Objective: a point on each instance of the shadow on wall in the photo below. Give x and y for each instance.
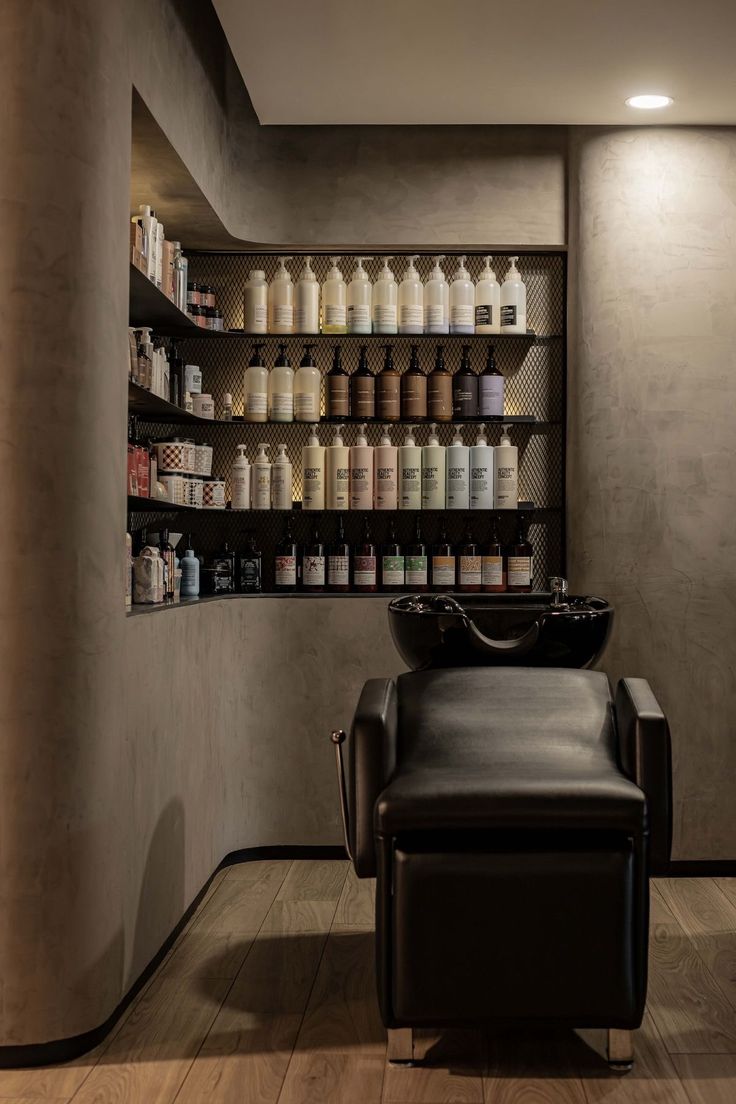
(162, 892)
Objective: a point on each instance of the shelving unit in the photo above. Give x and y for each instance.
(533, 364)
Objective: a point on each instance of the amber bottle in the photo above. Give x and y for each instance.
(468, 564)
(415, 562)
(443, 564)
(439, 389)
(388, 387)
(364, 562)
(520, 562)
(493, 563)
(392, 562)
(414, 390)
(363, 390)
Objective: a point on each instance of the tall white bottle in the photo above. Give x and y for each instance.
(261, 479)
(281, 389)
(513, 301)
(386, 464)
(385, 301)
(255, 303)
(411, 300)
(505, 473)
(487, 302)
(410, 474)
(433, 472)
(481, 472)
(437, 300)
(255, 388)
(281, 300)
(360, 292)
(313, 473)
(281, 480)
(306, 301)
(307, 382)
(338, 474)
(462, 301)
(240, 480)
(361, 473)
(334, 301)
(159, 254)
(150, 222)
(457, 488)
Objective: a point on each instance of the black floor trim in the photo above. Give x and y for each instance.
(65, 1050)
(701, 868)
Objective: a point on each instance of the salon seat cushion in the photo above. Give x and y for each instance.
(508, 748)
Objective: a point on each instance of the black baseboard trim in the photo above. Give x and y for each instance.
(65, 1050)
(700, 868)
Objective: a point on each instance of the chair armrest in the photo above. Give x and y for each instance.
(371, 762)
(646, 757)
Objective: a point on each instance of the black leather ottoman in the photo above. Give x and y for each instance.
(512, 817)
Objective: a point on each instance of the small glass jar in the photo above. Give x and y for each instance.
(218, 322)
(206, 295)
(209, 317)
(194, 298)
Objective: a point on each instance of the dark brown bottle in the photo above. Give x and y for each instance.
(363, 390)
(338, 561)
(392, 562)
(169, 557)
(465, 389)
(287, 561)
(414, 390)
(443, 564)
(520, 562)
(338, 389)
(249, 567)
(493, 563)
(388, 389)
(439, 389)
(415, 564)
(313, 564)
(469, 573)
(364, 562)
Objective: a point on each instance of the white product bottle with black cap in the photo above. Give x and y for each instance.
(338, 474)
(481, 472)
(411, 300)
(281, 480)
(386, 460)
(410, 474)
(281, 300)
(361, 472)
(360, 291)
(457, 490)
(313, 473)
(240, 480)
(255, 387)
(261, 479)
(255, 303)
(462, 301)
(433, 472)
(506, 473)
(487, 302)
(513, 301)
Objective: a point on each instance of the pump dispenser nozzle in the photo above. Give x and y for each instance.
(513, 270)
(505, 438)
(481, 439)
(256, 359)
(307, 360)
(362, 438)
(433, 439)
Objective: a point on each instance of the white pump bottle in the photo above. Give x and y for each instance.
(506, 473)
(462, 301)
(313, 473)
(437, 300)
(513, 302)
(261, 479)
(306, 301)
(458, 474)
(361, 473)
(338, 474)
(255, 303)
(240, 480)
(281, 480)
(386, 487)
(281, 300)
(481, 472)
(385, 301)
(410, 474)
(359, 300)
(487, 302)
(334, 301)
(411, 300)
(433, 472)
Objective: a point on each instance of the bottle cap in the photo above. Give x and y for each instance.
(465, 358)
(437, 273)
(439, 357)
(334, 273)
(488, 273)
(337, 440)
(409, 441)
(505, 439)
(462, 272)
(337, 357)
(363, 358)
(360, 273)
(388, 359)
(414, 358)
(281, 453)
(458, 438)
(256, 274)
(282, 361)
(386, 273)
(307, 272)
(410, 272)
(227, 399)
(313, 438)
(241, 450)
(262, 446)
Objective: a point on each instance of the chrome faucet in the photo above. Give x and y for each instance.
(558, 587)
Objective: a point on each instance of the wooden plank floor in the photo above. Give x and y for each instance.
(268, 997)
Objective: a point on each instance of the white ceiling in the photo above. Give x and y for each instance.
(483, 61)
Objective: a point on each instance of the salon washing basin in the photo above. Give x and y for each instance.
(547, 629)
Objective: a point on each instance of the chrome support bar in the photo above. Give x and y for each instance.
(338, 737)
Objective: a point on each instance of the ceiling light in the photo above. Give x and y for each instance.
(648, 102)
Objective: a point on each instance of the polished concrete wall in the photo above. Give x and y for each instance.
(652, 394)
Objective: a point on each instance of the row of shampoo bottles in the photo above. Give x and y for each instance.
(281, 395)
(262, 485)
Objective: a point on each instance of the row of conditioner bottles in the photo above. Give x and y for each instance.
(387, 477)
(285, 395)
(386, 306)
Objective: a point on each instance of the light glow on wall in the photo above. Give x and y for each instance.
(649, 101)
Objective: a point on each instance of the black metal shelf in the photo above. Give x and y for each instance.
(149, 407)
(530, 337)
(150, 307)
(136, 504)
(140, 505)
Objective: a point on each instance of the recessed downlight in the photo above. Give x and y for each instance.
(649, 101)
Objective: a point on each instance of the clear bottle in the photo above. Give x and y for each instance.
(169, 557)
(227, 407)
(359, 300)
(491, 389)
(386, 479)
(411, 300)
(281, 300)
(439, 389)
(337, 386)
(462, 301)
(255, 303)
(433, 472)
(388, 389)
(281, 480)
(261, 479)
(487, 302)
(513, 301)
(437, 300)
(385, 301)
(363, 389)
(240, 480)
(255, 387)
(334, 301)
(281, 389)
(306, 301)
(307, 382)
(313, 473)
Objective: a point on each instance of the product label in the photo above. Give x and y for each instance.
(508, 315)
(261, 487)
(283, 316)
(250, 574)
(506, 493)
(457, 489)
(484, 314)
(313, 571)
(359, 318)
(470, 571)
(335, 314)
(193, 379)
(434, 315)
(461, 315)
(443, 571)
(416, 570)
(492, 571)
(386, 488)
(312, 497)
(490, 396)
(338, 570)
(305, 405)
(286, 571)
(392, 570)
(520, 570)
(411, 316)
(240, 491)
(282, 403)
(305, 320)
(364, 571)
(360, 479)
(259, 315)
(480, 488)
(280, 490)
(384, 316)
(256, 402)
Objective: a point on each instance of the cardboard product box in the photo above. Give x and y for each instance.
(143, 470)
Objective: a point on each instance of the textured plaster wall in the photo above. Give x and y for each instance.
(652, 393)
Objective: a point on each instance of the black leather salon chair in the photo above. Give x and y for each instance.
(512, 817)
